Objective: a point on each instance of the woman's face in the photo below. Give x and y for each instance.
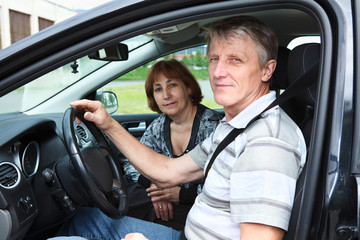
(171, 95)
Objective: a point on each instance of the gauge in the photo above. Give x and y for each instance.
(30, 158)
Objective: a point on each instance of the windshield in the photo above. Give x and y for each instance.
(43, 88)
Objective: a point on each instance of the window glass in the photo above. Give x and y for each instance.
(43, 88)
(130, 88)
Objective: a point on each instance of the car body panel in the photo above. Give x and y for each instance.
(330, 201)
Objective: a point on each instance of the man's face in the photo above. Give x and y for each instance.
(236, 77)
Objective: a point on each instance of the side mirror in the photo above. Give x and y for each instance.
(109, 100)
(117, 52)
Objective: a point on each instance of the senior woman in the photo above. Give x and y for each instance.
(173, 91)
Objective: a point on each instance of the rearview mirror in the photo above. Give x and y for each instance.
(117, 52)
(109, 100)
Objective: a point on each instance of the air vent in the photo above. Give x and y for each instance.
(9, 175)
(81, 132)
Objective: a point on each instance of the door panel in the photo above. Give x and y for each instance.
(136, 124)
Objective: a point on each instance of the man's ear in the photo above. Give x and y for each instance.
(268, 70)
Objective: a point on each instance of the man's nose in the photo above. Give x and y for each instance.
(220, 69)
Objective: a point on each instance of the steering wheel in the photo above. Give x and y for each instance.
(96, 167)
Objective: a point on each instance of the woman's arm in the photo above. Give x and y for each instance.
(175, 194)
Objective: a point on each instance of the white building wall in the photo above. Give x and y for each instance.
(34, 8)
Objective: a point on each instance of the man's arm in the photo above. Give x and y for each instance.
(162, 170)
(255, 231)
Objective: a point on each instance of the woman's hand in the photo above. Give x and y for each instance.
(164, 194)
(163, 210)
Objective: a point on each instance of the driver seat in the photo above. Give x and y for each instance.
(301, 60)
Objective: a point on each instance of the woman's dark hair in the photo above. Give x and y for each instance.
(171, 69)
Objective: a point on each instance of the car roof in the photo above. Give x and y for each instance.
(96, 28)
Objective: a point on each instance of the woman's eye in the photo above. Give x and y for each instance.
(157, 89)
(173, 85)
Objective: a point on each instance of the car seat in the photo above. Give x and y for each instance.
(280, 81)
(301, 60)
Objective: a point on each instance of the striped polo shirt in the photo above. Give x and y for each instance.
(253, 179)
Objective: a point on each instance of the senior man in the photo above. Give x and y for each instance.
(249, 190)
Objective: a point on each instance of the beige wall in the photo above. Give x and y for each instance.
(34, 8)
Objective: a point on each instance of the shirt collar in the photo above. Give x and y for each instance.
(254, 109)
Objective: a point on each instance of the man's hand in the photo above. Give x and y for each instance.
(134, 236)
(95, 112)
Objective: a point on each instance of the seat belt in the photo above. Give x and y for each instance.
(301, 83)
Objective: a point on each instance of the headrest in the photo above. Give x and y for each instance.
(301, 59)
(280, 75)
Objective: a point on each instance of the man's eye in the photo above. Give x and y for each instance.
(213, 59)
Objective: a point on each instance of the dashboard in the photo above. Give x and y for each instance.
(30, 147)
(39, 186)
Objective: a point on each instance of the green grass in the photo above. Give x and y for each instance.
(210, 103)
(132, 100)
(136, 74)
(201, 74)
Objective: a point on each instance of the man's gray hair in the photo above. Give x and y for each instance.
(244, 26)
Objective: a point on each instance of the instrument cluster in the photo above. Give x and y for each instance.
(30, 158)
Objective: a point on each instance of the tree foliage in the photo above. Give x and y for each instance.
(197, 63)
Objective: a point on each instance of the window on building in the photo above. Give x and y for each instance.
(44, 23)
(19, 26)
